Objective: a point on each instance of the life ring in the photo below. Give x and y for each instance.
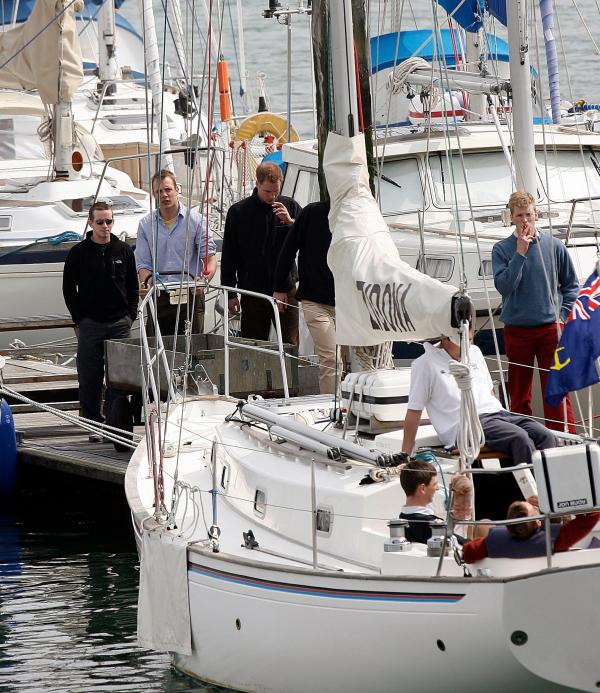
(267, 122)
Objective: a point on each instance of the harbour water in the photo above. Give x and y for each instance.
(68, 565)
(68, 593)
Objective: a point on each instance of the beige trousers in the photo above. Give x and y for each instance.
(320, 320)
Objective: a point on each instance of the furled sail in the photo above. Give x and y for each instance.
(44, 53)
(379, 297)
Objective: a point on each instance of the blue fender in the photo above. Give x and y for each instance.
(8, 450)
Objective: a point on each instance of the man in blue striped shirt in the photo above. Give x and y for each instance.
(185, 252)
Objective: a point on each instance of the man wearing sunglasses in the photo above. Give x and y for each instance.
(100, 288)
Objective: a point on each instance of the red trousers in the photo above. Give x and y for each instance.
(522, 346)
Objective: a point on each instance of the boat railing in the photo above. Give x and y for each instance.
(574, 202)
(150, 360)
(545, 518)
(229, 342)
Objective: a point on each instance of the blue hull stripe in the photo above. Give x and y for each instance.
(433, 597)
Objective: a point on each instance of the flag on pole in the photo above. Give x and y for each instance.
(575, 357)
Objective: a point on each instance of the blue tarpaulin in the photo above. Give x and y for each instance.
(421, 44)
(468, 15)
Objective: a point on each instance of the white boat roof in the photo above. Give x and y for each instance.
(403, 141)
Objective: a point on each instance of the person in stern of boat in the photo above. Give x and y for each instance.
(536, 278)
(310, 237)
(527, 539)
(100, 288)
(419, 482)
(432, 386)
(184, 248)
(255, 229)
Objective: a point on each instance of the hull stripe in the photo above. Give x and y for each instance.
(367, 595)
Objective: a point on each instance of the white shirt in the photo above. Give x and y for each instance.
(432, 386)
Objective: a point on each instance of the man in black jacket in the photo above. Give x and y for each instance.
(310, 237)
(255, 230)
(100, 288)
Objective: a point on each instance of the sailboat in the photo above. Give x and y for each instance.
(52, 168)
(266, 565)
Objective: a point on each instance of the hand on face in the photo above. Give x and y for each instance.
(524, 219)
(282, 213)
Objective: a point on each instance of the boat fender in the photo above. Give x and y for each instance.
(8, 450)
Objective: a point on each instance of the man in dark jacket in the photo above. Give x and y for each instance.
(310, 237)
(100, 288)
(255, 230)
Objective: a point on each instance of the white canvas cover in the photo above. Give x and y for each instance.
(49, 62)
(163, 622)
(379, 297)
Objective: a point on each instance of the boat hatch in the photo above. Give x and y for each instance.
(131, 121)
(121, 204)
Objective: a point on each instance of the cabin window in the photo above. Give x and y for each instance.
(487, 175)
(485, 269)
(225, 476)
(260, 502)
(437, 267)
(5, 223)
(324, 520)
(400, 189)
(306, 189)
(570, 175)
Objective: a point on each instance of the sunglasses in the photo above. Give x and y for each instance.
(101, 222)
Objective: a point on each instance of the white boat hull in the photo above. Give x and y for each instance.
(266, 630)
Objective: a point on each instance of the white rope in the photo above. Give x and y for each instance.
(400, 74)
(470, 433)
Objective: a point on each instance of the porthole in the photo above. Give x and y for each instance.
(260, 502)
(324, 520)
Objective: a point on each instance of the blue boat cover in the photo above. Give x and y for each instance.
(420, 43)
(469, 14)
(497, 8)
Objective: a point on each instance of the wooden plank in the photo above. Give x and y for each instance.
(33, 409)
(47, 378)
(16, 325)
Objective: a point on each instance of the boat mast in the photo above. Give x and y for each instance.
(345, 96)
(108, 68)
(152, 59)
(522, 110)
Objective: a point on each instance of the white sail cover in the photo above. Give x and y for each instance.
(44, 53)
(378, 296)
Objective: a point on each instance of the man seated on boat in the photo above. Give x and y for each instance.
(432, 386)
(527, 539)
(419, 481)
(184, 248)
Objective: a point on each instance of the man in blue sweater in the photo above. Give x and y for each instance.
(538, 284)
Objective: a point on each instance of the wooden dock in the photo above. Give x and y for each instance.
(44, 439)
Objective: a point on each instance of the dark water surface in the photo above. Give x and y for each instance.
(68, 593)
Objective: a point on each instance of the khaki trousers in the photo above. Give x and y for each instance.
(320, 320)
